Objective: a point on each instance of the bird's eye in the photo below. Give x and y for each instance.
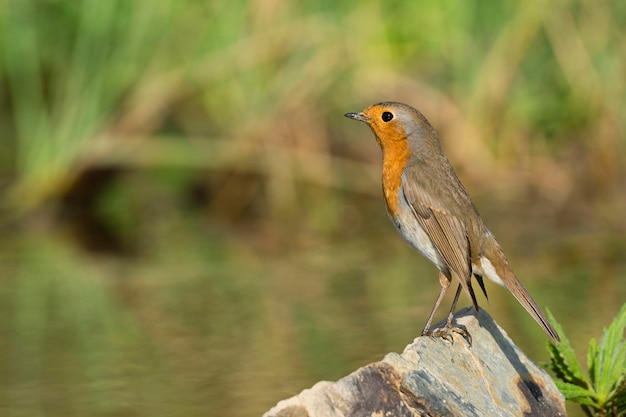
(387, 116)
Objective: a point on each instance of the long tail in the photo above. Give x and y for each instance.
(505, 274)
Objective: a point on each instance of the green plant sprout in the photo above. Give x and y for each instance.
(601, 392)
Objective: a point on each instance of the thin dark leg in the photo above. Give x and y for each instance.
(444, 332)
(444, 280)
(456, 299)
(426, 330)
(457, 329)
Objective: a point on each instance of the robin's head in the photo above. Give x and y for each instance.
(393, 122)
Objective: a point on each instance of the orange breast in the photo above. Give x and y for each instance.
(395, 156)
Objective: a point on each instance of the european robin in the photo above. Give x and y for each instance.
(434, 213)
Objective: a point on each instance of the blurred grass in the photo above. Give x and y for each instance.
(190, 224)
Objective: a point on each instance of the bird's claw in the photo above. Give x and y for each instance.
(446, 331)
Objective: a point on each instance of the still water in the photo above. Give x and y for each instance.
(220, 321)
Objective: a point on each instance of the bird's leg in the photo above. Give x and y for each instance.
(443, 332)
(445, 283)
(456, 299)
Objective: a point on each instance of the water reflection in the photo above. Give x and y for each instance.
(229, 326)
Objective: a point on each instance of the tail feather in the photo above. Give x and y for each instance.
(479, 279)
(494, 262)
(526, 300)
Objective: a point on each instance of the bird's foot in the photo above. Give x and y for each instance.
(446, 331)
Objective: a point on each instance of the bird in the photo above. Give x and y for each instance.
(432, 211)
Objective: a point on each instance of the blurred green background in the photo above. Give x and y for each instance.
(190, 227)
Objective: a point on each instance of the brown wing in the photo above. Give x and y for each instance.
(447, 233)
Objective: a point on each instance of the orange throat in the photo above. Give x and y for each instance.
(395, 156)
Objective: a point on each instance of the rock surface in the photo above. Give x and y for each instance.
(434, 377)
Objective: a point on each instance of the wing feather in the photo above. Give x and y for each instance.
(447, 232)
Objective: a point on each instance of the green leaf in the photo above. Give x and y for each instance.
(592, 352)
(577, 394)
(606, 361)
(563, 360)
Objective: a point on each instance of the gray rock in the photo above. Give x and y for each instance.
(434, 377)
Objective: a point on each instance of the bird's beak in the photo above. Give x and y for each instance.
(358, 116)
